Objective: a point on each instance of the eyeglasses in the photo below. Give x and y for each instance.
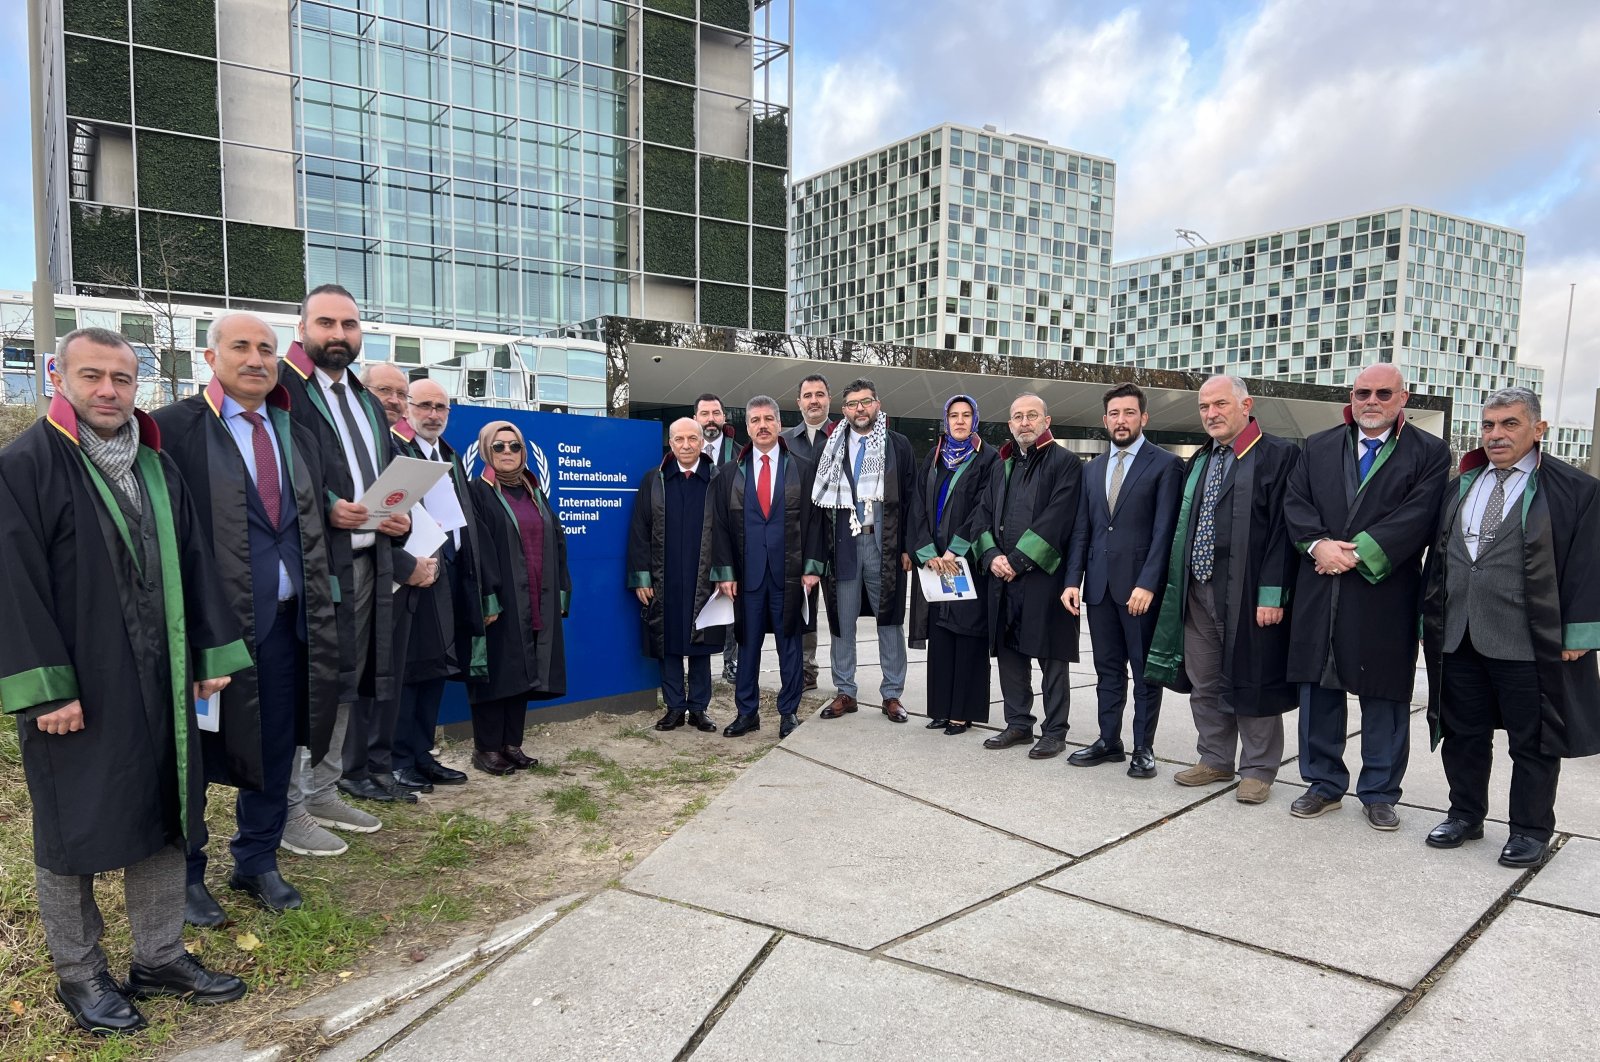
(506, 447)
(1029, 417)
(1361, 394)
(860, 403)
(433, 407)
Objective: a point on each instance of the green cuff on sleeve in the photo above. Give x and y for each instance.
(638, 580)
(1039, 551)
(1305, 547)
(1573, 636)
(566, 602)
(960, 547)
(815, 567)
(1374, 566)
(1272, 597)
(720, 575)
(926, 553)
(223, 660)
(986, 542)
(338, 593)
(28, 688)
(491, 605)
(478, 666)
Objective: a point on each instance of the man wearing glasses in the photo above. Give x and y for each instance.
(1027, 517)
(1360, 507)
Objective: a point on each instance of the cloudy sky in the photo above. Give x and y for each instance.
(1225, 118)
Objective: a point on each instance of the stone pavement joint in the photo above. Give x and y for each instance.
(728, 997)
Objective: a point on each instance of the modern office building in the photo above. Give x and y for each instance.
(959, 239)
(498, 165)
(1439, 296)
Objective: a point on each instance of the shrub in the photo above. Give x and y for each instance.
(724, 188)
(724, 252)
(731, 14)
(102, 18)
(769, 310)
(266, 263)
(771, 197)
(180, 254)
(669, 113)
(668, 244)
(182, 25)
(104, 246)
(97, 80)
(767, 266)
(179, 173)
(724, 304)
(669, 48)
(175, 92)
(770, 140)
(668, 179)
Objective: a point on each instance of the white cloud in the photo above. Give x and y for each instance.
(850, 107)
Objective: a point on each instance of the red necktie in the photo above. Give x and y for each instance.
(764, 486)
(266, 467)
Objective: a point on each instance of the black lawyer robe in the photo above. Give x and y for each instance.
(131, 781)
(199, 443)
(669, 550)
(1042, 494)
(893, 513)
(1357, 631)
(1560, 514)
(956, 533)
(522, 662)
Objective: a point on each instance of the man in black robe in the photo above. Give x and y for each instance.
(447, 628)
(1027, 522)
(114, 623)
(806, 440)
(669, 571)
(1361, 507)
(720, 450)
(1222, 634)
(256, 480)
(1510, 619)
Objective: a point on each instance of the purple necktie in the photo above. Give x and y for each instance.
(266, 467)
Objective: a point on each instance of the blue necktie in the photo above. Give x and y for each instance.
(861, 509)
(1373, 446)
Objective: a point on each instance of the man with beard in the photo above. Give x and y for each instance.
(766, 555)
(1027, 520)
(719, 450)
(1510, 619)
(669, 565)
(866, 487)
(349, 427)
(114, 624)
(256, 479)
(447, 629)
(806, 440)
(1361, 507)
(1221, 633)
(1120, 543)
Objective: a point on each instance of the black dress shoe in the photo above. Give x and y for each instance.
(1142, 764)
(937, 724)
(1452, 832)
(1101, 751)
(386, 782)
(744, 724)
(186, 977)
(1524, 852)
(200, 908)
(99, 1005)
(268, 889)
(788, 726)
(519, 759)
(1046, 748)
(702, 722)
(1008, 737)
(365, 789)
(492, 762)
(671, 721)
(957, 727)
(439, 774)
(412, 778)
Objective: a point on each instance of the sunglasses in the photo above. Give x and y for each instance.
(506, 447)
(1361, 394)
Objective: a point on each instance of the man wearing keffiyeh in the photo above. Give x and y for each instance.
(867, 476)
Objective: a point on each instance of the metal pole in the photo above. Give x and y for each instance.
(1561, 380)
(44, 302)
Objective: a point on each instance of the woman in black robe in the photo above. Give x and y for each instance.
(956, 634)
(527, 589)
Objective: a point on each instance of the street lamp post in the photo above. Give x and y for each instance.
(44, 302)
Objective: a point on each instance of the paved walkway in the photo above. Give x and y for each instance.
(873, 891)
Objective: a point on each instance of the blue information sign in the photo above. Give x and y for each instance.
(591, 468)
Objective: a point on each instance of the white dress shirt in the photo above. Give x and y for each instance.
(1472, 510)
(358, 539)
(243, 433)
(1132, 450)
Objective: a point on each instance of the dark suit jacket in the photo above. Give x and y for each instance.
(798, 443)
(1116, 552)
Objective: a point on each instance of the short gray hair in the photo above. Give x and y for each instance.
(1513, 396)
(1241, 390)
(100, 337)
(762, 402)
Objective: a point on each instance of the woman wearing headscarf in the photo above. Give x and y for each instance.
(525, 574)
(950, 483)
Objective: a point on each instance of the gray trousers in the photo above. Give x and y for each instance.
(153, 890)
(314, 784)
(1016, 691)
(891, 639)
(1257, 739)
(808, 641)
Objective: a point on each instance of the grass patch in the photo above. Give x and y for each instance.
(575, 800)
(691, 809)
(643, 732)
(588, 758)
(456, 837)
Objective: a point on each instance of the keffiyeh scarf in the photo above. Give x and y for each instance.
(832, 488)
(114, 457)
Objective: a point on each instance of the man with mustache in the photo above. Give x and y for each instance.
(257, 481)
(1361, 507)
(1510, 619)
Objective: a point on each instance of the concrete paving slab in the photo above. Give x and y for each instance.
(814, 1002)
(380, 1030)
(233, 1050)
(1041, 942)
(1072, 809)
(1330, 890)
(1571, 879)
(620, 977)
(799, 846)
(1523, 990)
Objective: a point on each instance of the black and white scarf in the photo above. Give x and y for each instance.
(832, 488)
(114, 457)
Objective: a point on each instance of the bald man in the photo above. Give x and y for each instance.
(669, 566)
(389, 385)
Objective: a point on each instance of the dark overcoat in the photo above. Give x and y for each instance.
(1560, 514)
(957, 532)
(1357, 631)
(649, 560)
(899, 496)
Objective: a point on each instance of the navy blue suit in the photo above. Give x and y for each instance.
(761, 597)
(1112, 553)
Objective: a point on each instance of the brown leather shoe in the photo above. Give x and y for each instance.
(894, 711)
(492, 763)
(1202, 774)
(519, 759)
(840, 705)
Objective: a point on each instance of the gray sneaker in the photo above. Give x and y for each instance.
(302, 836)
(337, 815)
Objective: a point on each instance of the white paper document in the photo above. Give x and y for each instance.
(936, 586)
(444, 505)
(399, 487)
(717, 613)
(208, 713)
(426, 535)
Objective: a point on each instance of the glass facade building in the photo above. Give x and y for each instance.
(960, 239)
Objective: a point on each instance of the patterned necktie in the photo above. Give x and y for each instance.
(1116, 481)
(357, 442)
(1373, 446)
(1204, 555)
(267, 485)
(1494, 512)
(764, 486)
(861, 453)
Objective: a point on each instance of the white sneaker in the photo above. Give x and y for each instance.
(302, 836)
(337, 815)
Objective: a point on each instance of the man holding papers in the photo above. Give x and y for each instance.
(669, 569)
